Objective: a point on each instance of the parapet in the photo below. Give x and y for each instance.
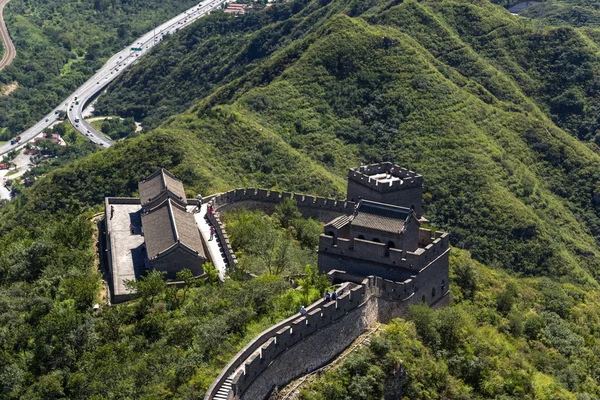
(291, 332)
(215, 221)
(431, 245)
(406, 179)
(121, 200)
(276, 197)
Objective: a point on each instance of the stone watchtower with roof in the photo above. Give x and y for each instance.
(384, 237)
(386, 183)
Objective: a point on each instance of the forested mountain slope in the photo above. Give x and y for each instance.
(289, 98)
(454, 89)
(567, 12)
(60, 43)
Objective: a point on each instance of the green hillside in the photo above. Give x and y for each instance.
(496, 111)
(413, 82)
(567, 12)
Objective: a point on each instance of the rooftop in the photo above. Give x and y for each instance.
(340, 221)
(167, 225)
(127, 255)
(380, 216)
(159, 182)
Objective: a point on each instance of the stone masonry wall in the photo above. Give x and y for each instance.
(436, 244)
(405, 192)
(305, 343)
(314, 351)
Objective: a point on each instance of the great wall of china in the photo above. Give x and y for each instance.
(302, 344)
(374, 248)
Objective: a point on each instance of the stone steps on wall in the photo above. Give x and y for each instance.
(224, 390)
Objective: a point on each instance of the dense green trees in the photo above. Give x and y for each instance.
(473, 349)
(283, 243)
(460, 91)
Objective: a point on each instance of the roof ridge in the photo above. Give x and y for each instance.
(172, 219)
(152, 175)
(164, 181)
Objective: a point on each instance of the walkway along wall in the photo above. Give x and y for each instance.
(302, 344)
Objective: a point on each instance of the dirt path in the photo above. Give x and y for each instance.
(9, 48)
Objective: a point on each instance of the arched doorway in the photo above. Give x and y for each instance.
(332, 234)
(390, 245)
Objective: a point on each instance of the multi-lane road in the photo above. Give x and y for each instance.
(76, 102)
(9, 47)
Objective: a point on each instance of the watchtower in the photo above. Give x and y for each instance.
(386, 183)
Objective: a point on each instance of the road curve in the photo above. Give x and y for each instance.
(9, 48)
(75, 103)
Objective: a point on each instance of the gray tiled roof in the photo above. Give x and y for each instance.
(160, 181)
(339, 222)
(168, 225)
(382, 217)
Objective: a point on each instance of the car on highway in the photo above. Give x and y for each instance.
(76, 126)
(47, 119)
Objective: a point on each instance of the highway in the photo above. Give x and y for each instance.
(76, 102)
(9, 48)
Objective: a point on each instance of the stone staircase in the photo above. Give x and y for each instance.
(224, 390)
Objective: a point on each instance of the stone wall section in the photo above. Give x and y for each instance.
(319, 208)
(302, 344)
(406, 191)
(432, 244)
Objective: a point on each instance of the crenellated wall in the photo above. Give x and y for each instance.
(302, 344)
(405, 191)
(408, 179)
(320, 208)
(230, 257)
(333, 253)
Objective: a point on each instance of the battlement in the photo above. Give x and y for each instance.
(432, 245)
(275, 197)
(252, 369)
(405, 179)
(289, 333)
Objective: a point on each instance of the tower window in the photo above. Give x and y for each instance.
(390, 245)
